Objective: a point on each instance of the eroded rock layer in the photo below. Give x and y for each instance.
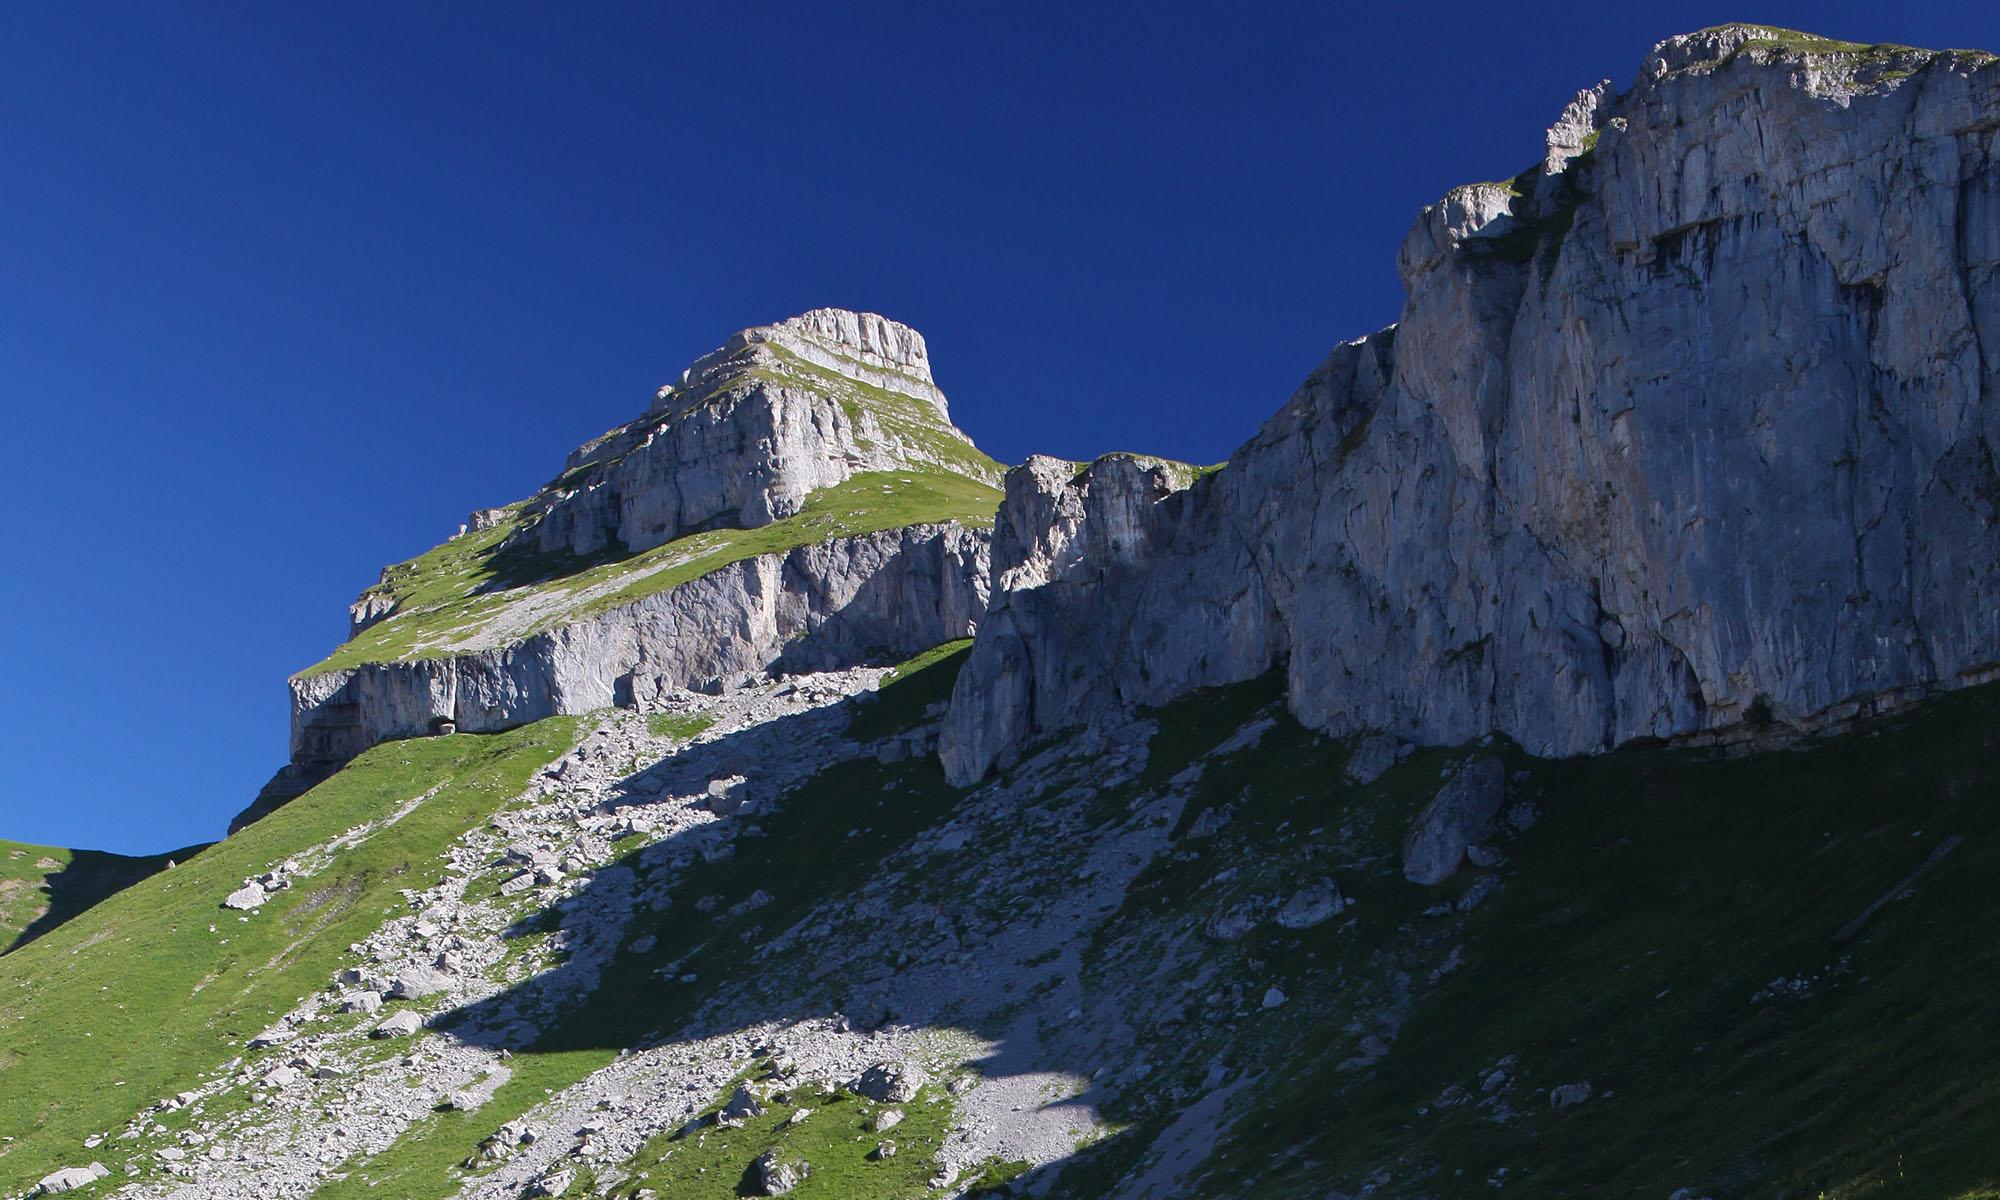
(885, 595)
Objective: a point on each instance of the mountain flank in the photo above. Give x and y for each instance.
(798, 500)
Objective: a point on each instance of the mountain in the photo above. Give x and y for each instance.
(1693, 422)
(799, 499)
(1555, 756)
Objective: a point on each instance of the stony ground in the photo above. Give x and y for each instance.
(758, 946)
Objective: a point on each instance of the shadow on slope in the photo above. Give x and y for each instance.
(1772, 970)
(60, 884)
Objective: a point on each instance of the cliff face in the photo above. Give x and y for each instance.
(751, 429)
(817, 607)
(1695, 421)
(799, 501)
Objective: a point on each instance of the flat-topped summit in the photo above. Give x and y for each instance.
(799, 500)
(751, 429)
(1831, 66)
(866, 348)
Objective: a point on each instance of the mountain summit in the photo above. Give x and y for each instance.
(799, 500)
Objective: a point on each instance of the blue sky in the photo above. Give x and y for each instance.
(283, 297)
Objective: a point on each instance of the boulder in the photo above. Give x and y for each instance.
(1310, 905)
(891, 1082)
(741, 1107)
(778, 1173)
(249, 896)
(1454, 820)
(1568, 1095)
(1373, 756)
(418, 982)
(401, 1024)
(70, 1178)
(555, 1183)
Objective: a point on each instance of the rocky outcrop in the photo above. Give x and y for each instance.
(875, 597)
(1694, 421)
(751, 429)
(1455, 818)
(505, 629)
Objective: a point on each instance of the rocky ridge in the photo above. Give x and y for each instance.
(753, 427)
(816, 607)
(1691, 427)
(549, 606)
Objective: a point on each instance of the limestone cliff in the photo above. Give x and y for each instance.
(1691, 424)
(752, 428)
(823, 606)
(799, 500)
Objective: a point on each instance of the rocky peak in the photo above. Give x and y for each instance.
(865, 347)
(752, 428)
(1820, 66)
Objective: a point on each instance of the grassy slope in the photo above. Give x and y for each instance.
(867, 809)
(137, 997)
(454, 589)
(1649, 871)
(1659, 892)
(43, 886)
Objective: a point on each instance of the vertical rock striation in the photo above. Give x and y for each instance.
(1695, 420)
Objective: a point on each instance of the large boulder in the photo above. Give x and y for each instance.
(891, 1082)
(1454, 819)
(779, 1173)
(70, 1178)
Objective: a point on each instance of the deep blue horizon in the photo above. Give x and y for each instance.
(284, 297)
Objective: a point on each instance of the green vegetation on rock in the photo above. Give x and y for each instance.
(681, 726)
(448, 595)
(835, 1138)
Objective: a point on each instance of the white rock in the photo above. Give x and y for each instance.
(401, 1024)
(249, 896)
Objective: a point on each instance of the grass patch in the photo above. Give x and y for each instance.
(683, 727)
(835, 1139)
(43, 886)
(155, 986)
(455, 588)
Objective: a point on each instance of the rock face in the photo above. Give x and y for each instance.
(752, 427)
(747, 435)
(837, 603)
(1695, 421)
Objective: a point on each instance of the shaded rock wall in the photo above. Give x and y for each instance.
(1697, 417)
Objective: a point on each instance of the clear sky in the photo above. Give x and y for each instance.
(282, 297)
